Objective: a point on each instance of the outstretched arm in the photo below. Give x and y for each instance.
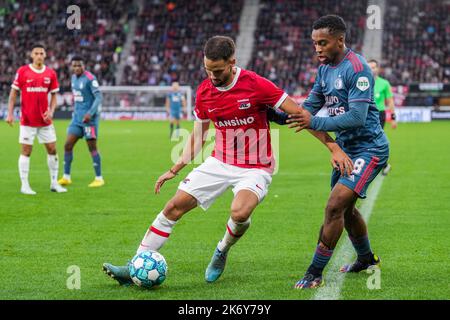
(354, 118)
(193, 146)
(276, 116)
(339, 159)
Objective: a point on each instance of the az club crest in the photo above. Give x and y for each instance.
(244, 104)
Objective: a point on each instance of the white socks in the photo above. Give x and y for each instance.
(157, 234)
(234, 232)
(52, 161)
(24, 169)
(161, 229)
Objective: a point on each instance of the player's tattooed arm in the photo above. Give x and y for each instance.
(193, 146)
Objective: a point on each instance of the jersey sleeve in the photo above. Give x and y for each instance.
(269, 94)
(360, 85)
(199, 110)
(54, 85)
(316, 99)
(94, 87)
(17, 83)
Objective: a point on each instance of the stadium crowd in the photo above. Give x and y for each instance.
(283, 49)
(416, 41)
(170, 36)
(104, 26)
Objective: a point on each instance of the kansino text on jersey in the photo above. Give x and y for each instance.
(235, 122)
(37, 89)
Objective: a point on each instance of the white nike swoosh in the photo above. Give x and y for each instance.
(28, 81)
(211, 110)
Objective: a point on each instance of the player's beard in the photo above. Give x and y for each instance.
(220, 83)
(223, 82)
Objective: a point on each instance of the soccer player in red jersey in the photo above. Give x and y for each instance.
(236, 101)
(35, 81)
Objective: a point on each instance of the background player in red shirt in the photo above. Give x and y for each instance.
(35, 81)
(236, 101)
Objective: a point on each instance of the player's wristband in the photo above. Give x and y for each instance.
(393, 116)
(173, 172)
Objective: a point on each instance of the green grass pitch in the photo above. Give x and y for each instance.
(41, 236)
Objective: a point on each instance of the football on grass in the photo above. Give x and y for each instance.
(148, 269)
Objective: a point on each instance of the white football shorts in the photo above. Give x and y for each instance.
(213, 177)
(45, 134)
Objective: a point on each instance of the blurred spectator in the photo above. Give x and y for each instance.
(168, 44)
(416, 41)
(283, 49)
(169, 38)
(99, 41)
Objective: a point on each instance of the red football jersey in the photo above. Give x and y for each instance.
(35, 85)
(239, 113)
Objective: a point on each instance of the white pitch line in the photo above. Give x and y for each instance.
(334, 279)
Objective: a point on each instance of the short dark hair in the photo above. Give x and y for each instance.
(219, 48)
(335, 24)
(77, 58)
(37, 45)
(374, 61)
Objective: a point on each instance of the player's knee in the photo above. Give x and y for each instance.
(92, 146)
(174, 210)
(170, 210)
(240, 213)
(334, 211)
(350, 214)
(26, 152)
(51, 149)
(68, 147)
